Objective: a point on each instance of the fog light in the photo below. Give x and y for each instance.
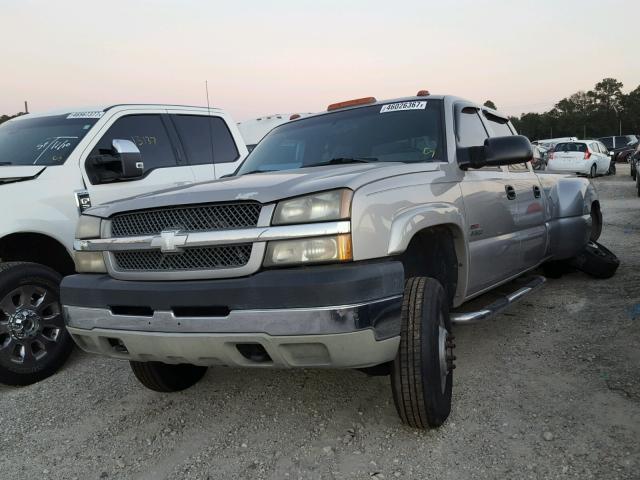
(309, 250)
(90, 262)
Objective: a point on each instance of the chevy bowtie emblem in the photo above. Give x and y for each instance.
(170, 241)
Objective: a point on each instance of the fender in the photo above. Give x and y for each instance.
(409, 222)
(569, 196)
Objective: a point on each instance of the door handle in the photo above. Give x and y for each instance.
(536, 191)
(511, 192)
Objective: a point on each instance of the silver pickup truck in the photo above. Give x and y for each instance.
(347, 239)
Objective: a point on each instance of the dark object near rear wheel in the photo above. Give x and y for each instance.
(556, 268)
(612, 169)
(596, 260)
(163, 377)
(422, 375)
(638, 184)
(34, 343)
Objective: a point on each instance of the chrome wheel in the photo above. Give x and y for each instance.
(30, 325)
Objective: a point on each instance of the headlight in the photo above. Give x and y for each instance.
(88, 227)
(90, 262)
(309, 250)
(319, 207)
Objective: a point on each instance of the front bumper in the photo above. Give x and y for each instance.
(340, 316)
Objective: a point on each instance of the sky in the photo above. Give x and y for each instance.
(284, 56)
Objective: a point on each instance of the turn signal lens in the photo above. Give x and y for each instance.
(309, 250)
(88, 227)
(90, 262)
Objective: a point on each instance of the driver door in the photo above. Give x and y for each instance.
(491, 211)
(164, 165)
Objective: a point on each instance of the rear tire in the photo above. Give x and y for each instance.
(593, 172)
(422, 375)
(596, 260)
(34, 342)
(638, 184)
(612, 169)
(162, 377)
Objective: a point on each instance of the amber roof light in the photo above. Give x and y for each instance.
(351, 103)
(423, 93)
(294, 116)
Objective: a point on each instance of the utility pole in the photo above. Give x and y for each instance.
(26, 107)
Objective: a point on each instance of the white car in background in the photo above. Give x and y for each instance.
(588, 157)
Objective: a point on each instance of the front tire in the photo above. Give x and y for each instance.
(162, 377)
(422, 374)
(34, 342)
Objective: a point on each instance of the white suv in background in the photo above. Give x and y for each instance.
(55, 165)
(588, 157)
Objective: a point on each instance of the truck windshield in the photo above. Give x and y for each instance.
(42, 140)
(406, 132)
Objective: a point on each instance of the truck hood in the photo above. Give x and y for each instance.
(18, 173)
(266, 187)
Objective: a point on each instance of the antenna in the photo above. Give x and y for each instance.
(213, 160)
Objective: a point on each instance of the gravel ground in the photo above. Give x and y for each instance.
(549, 389)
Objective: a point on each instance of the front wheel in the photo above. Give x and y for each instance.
(34, 343)
(162, 377)
(422, 374)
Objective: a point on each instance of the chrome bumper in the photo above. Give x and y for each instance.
(293, 337)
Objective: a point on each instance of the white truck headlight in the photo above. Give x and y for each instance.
(318, 207)
(90, 262)
(88, 227)
(336, 248)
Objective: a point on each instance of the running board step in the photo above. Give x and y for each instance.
(523, 286)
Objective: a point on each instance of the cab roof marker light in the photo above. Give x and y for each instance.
(294, 116)
(351, 103)
(423, 93)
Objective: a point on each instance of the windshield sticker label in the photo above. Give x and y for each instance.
(97, 114)
(396, 107)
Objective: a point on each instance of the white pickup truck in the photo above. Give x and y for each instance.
(55, 165)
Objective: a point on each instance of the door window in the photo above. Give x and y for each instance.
(470, 130)
(499, 127)
(148, 133)
(202, 136)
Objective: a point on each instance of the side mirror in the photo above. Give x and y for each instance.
(130, 158)
(123, 162)
(497, 151)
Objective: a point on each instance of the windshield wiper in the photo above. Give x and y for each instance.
(255, 171)
(344, 161)
(6, 163)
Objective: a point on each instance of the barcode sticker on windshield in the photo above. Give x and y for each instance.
(396, 107)
(96, 114)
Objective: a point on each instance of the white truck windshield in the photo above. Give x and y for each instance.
(42, 140)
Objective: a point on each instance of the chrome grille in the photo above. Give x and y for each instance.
(196, 218)
(197, 258)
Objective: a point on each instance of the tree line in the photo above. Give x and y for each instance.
(600, 112)
(4, 118)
